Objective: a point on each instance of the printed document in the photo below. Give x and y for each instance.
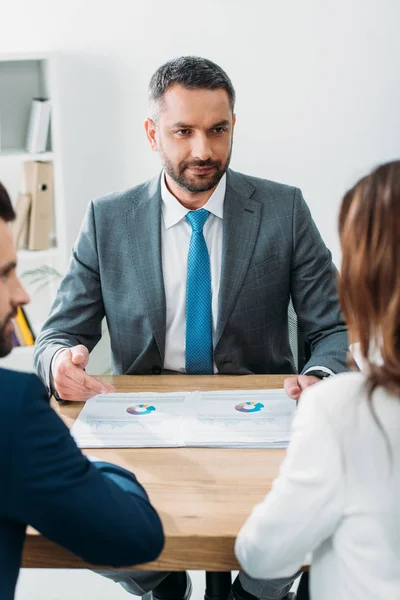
(221, 419)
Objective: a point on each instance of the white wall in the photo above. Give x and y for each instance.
(317, 83)
(318, 90)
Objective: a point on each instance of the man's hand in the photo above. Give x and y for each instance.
(70, 380)
(293, 386)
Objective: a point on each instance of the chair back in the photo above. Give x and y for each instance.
(298, 344)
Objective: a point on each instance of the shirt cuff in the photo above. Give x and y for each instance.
(318, 368)
(51, 380)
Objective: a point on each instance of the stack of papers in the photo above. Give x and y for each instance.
(222, 419)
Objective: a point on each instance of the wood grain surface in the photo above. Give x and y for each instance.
(203, 495)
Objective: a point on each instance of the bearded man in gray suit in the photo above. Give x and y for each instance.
(191, 297)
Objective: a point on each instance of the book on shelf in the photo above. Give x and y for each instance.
(17, 335)
(39, 125)
(15, 339)
(23, 332)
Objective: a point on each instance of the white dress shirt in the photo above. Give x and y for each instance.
(175, 239)
(337, 496)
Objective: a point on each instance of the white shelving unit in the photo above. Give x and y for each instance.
(22, 78)
(82, 147)
(22, 155)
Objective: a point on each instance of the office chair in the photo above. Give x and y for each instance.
(298, 345)
(303, 589)
(218, 585)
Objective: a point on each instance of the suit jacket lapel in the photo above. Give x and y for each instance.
(144, 234)
(240, 228)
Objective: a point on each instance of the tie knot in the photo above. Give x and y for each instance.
(197, 218)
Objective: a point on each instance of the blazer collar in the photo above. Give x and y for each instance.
(143, 220)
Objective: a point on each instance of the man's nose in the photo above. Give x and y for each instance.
(201, 148)
(20, 296)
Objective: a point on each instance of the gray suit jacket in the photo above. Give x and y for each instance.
(272, 251)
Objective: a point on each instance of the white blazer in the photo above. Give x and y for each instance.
(337, 496)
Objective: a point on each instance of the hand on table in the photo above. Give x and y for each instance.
(295, 385)
(70, 380)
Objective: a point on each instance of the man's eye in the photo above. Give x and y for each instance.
(182, 132)
(219, 130)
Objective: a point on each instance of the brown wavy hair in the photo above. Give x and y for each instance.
(369, 287)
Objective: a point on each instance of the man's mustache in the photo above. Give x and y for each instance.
(201, 163)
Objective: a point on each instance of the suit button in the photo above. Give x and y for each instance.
(156, 370)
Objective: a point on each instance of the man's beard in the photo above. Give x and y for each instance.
(194, 184)
(6, 338)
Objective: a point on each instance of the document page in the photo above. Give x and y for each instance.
(235, 419)
(131, 421)
(221, 419)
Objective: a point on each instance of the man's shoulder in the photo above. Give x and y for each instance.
(263, 188)
(9, 377)
(14, 385)
(128, 197)
(14, 388)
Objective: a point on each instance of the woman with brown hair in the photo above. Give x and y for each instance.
(338, 492)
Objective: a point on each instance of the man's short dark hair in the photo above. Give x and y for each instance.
(7, 212)
(191, 72)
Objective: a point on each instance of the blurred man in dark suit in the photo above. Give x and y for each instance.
(95, 509)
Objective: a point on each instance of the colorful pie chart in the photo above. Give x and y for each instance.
(249, 407)
(141, 409)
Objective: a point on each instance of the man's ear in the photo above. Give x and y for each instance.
(151, 133)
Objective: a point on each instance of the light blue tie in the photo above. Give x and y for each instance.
(199, 348)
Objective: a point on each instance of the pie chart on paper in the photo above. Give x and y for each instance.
(141, 409)
(249, 407)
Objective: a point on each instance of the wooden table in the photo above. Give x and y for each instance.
(203, 495)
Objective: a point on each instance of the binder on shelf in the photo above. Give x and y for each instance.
(24, 327)
(39, 184)
(28, 323)
(39, 124)
(19, 227)
(17, 337)
(15, 340)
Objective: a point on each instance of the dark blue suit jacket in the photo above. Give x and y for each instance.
(96, 510)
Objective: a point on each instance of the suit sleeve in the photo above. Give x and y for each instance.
(78, 309)
(305, 503)
(314, 293)
(100, 513)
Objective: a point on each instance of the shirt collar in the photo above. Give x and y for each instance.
(173, 211)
